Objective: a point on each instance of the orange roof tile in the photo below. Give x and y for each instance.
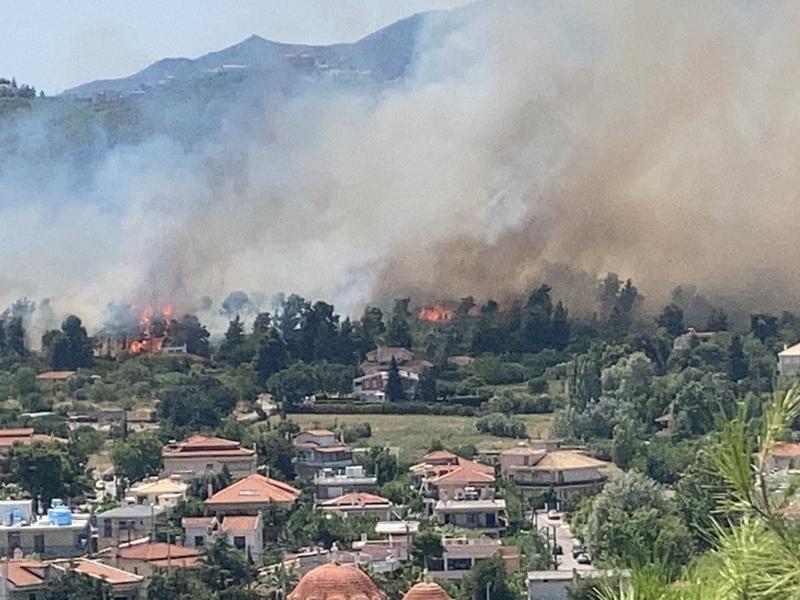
(463, 475)
(426, 591)
(438, 455)
(786, 450)
(150, 551)
(239, 523)
(107, 573)
(21, 572)
(20, 432)
(255, 489)
(185, 562)
(55, 375)
(357, 499)
(336, 582)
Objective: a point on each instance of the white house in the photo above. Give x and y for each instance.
(789, 361)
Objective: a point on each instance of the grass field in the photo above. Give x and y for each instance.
(413, 434)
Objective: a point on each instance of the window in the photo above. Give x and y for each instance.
(38, 543)
(13, 540)
(491, 520)
(210, 467)
(472, 518)
(32, 596)
(239, 542)
(107, 531)
(459, 564)
(199, 541)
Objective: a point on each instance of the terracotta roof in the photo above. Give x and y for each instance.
(107, 573)
(152, 551)
(239, 523)
(9, 437)
(21, 573)
(357, 499)
(197, 522)
(426, 591)
(200, 445)
(336, 582)
(162, 486)
(562, 460)
(786, 449)
(21, 432)
(55, 375)
(465, 474)
(255, 489)
(438, 455)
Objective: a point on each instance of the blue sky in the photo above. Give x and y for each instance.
(56, 44)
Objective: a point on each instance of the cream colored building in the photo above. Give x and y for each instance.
(789, 361)
(200, 454)
(167, 493)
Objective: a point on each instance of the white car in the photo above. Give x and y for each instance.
(553, 515)
(583, 559)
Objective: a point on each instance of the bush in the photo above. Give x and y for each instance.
(537, 385)
(493, 371)
(501, 425)
(358, 431)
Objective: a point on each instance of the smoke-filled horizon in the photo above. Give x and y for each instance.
(532, 142)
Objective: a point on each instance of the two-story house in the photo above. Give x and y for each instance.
(200, 454)
(330, 484)
(58, 534)
(252, 495)
(318, 449)
(570, 474)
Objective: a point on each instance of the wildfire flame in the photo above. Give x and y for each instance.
(436, 313)
(149, 342)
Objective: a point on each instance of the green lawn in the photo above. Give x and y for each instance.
(413, 434)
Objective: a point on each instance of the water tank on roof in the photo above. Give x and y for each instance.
(59, 514)
(354, 471)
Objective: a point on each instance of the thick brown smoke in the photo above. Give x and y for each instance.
(535, 141)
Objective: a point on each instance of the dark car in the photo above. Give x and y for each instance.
(558, 550)
(578, 549)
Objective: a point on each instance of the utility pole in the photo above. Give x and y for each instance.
(488, 583)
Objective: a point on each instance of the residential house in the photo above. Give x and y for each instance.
(328, 485)
(199, 454)
(784, 456)
(55, 377)
(127, 523)
(440, 462)
(252, 495)
(570, 474)
(25, 437)
(198, 530)
(461, 554)
(124, 585)
(487, 515)
(28, 579)
(372, 385)
(166, 493)
(691, 339)
(789, 361)
(556, 585)
(318, 449)
(143, 557)
(359, 504)
(58, 534)
(245, 533)
(470, 480)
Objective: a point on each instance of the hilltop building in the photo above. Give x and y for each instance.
(201, 454)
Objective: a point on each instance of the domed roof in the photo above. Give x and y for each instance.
(336, 582)
(426, 591)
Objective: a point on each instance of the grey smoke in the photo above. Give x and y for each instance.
(533, 141)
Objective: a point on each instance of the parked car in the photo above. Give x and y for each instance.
(583, 559)
(578, 548)
(553, 514)
(558, 550)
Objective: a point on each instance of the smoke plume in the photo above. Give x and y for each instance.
(531, 141)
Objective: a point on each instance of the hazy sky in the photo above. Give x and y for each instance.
(56, 44)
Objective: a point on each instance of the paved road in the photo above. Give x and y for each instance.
(565, 539)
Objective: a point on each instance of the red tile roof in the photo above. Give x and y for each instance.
(203, 446)
(107, 573)
(465, 474)
(438, 455)
(21, 573)
(786, 450)
(336, 582)
(357, 499)
(239, 523)
(9, 437)
(188, 562)
(255, 489)
(426, 591)
(55, 375)
(151, 551)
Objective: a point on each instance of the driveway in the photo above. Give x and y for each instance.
(564, 538)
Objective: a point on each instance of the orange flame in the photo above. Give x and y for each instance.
(148, 343)
(436, 313)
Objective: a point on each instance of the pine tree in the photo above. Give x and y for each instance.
(399, 333)
(559, 328)
(738, 368)
(394, 384)
(232, 350)
(272, 356)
